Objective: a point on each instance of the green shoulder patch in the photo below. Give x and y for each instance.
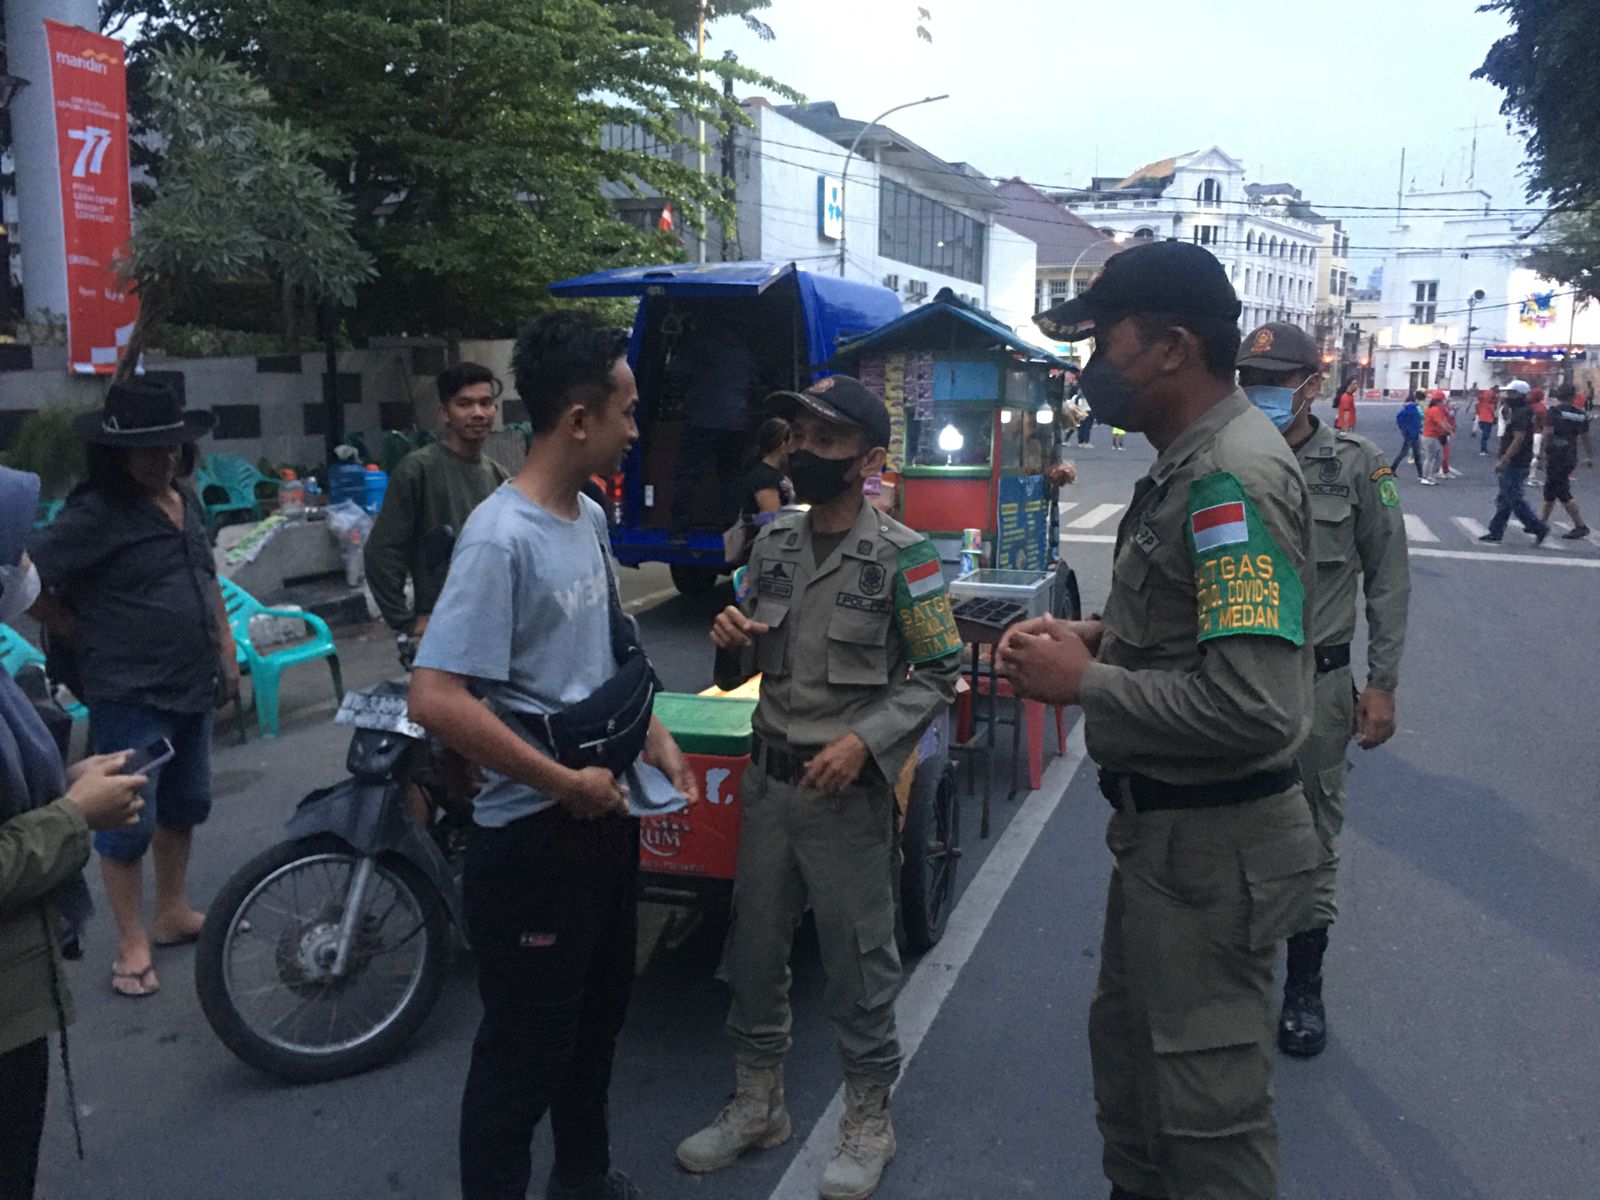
(922, 605)
(1243, 581)
(1389, 491)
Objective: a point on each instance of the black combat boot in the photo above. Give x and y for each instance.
(1303, 1024)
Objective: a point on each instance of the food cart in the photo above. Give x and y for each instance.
(972, 408)
(689, 857)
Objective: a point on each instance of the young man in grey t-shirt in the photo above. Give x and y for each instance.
(523, 624)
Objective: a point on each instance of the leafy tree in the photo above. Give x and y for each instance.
(1545, 66)
(1571, 254)
(472, 137)
(684, 14)
(239, 196)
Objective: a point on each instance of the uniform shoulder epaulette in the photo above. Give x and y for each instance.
(898, 535)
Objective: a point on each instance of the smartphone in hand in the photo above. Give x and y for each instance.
(156, 754)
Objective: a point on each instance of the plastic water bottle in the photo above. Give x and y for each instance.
(291, 494)
(377, 483)
(347, 481)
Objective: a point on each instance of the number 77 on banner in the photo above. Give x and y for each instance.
(96, 142)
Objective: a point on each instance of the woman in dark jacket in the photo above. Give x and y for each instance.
(44, 843)
(130, 584)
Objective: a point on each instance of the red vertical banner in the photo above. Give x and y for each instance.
(89, 85)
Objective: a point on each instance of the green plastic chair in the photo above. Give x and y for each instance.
(227, 483)
(17, 652)
(264, 669)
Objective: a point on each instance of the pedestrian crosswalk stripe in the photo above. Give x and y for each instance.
(1097, 515)
(1417, 530)
(1473, 529)
(1063, 506)
(1502, 557)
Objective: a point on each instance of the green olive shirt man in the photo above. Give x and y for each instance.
(1359, 540)
(1196, 701)
(856, 646)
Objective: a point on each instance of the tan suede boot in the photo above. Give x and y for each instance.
(757, 1117)
(866, 1143)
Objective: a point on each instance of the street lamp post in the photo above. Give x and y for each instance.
(844, 176)
(1472, 303)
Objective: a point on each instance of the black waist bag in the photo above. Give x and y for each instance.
(607, 727)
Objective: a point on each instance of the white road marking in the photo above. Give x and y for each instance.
(930, 984)
(1102, 539)
(1063, 505)
(1097, 515)
(1470, 527)
(1492, 556)
(1417, 529)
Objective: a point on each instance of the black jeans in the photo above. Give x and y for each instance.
(550, 907)
(1086, 430)
(24, 1078)
(702, 453)
(1413, 447)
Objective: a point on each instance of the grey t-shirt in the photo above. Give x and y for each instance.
(525, 614)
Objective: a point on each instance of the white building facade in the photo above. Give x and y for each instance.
(1456, 263)
(900, 216)
(1273, 256)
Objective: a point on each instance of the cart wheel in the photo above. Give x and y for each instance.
(1065, 603)
(930, 851)
(692, 580)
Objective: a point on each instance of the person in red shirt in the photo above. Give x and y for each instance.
(1346, 417)
(1435, 428)
(1488, 409)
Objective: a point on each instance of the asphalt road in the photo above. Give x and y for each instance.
(1461, 978)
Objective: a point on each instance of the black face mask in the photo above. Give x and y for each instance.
(1108, 392)
(816, 479)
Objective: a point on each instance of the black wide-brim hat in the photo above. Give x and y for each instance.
(142, 412)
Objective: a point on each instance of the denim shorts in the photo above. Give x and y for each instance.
(179, 793)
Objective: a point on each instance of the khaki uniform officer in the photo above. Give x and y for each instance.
(851, 629)
(1195, 705)
(1359, 538)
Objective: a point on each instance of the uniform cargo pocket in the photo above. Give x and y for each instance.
(772, 646)
(1212, 1069)
(1331, 538)
(1280, 877)
(858, 649)
(1128, 605)
(880, 960)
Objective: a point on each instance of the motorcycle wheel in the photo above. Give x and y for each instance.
(930, 852)
(260, 964)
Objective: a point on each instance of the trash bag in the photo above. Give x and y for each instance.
(350, 524)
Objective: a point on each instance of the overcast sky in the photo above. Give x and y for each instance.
(1321, 94)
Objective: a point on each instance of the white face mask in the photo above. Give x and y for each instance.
(21, 589)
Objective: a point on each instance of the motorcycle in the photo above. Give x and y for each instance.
(324, 954)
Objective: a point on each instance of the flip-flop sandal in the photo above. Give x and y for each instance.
(135, 975)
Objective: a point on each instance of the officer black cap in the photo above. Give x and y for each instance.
(1158, 277)
(843, 400)
(1280, 346)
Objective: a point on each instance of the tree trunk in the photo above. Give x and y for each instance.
(152, 306)
(291, 314)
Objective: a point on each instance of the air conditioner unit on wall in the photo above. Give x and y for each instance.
(917, 289)
(892, 282)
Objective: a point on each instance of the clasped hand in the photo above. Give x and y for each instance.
(1045, 659)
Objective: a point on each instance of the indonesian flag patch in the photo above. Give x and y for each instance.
(1244, 583)
(1219, 525)
(924, 579)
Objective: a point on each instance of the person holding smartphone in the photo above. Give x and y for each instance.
(130, 551)
(46, 814)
